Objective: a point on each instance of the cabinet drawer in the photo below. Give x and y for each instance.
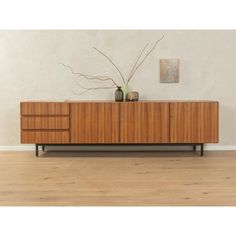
(44, 137)
(45, 122)
(44, 108)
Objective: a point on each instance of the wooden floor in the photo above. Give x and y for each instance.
(118, 179)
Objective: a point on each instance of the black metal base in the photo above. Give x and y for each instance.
(36, 150)
(160, 144)
(202, 149)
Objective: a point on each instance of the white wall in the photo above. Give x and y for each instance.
(30, 70)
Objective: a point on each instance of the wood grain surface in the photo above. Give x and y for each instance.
(57, 136)
(94, 122)
(118, 179)
(194, 122)
(44, 108)
(45, 123)
(144, 122)
(122, 122)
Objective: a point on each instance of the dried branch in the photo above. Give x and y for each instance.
(86, 89)
(131, 72)
(111, 63)
(135, 67)
(91, 77)
(152, 49)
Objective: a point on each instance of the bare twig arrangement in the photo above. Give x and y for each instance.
(85, 89)
(104, 78)
(111, 63)
(92, 77)
(131, 72)
(145, 57)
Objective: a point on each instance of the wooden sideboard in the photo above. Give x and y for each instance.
(107, 122)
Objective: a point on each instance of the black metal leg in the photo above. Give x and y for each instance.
(202, 149)
(43, 147)
(194, 147)
(36, 150)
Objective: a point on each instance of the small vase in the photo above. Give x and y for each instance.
(119, 95)
(132, 96)
(125, 89)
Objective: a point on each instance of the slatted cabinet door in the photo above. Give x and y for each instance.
(94, 122)
(144, 122)
(194, 122)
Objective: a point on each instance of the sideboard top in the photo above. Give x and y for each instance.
(112, 101)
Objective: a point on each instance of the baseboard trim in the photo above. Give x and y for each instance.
(208, 147)
(17, 148)
(215, 147)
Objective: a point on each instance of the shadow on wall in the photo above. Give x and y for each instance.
(227, 133)
(10, 130)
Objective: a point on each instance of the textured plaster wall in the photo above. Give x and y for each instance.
(30, 70)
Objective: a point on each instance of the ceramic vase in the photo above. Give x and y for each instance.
(119, 95)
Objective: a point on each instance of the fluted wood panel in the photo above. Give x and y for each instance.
(94, 122)
(144, 122)
(44, 137)
(129, 122)
(44, 108)
(194, 122)
(49, 122)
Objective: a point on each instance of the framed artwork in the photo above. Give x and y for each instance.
(169, 70)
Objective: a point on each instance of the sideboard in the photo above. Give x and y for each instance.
(107, 122)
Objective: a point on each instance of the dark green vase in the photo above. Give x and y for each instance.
(119, 95)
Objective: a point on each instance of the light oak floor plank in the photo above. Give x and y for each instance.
(118, 179)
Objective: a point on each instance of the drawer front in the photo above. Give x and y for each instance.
(44, 108)
(28, 137)
(44, 122)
